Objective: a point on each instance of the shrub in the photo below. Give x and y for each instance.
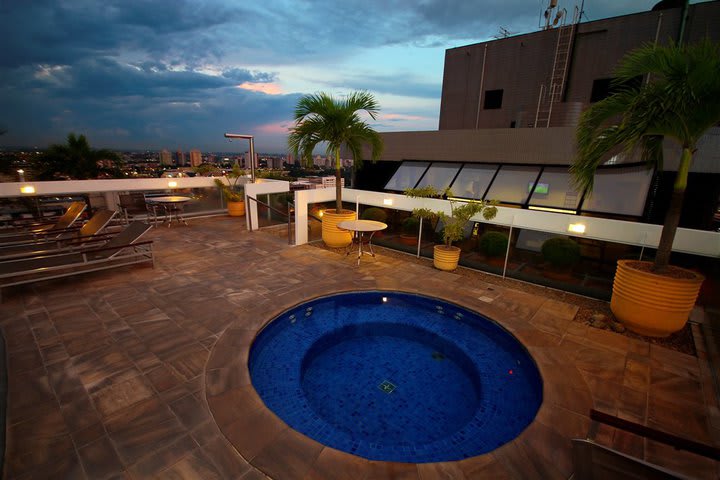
(410, 226)
(374, 213)
(494, 244)
(561, 252)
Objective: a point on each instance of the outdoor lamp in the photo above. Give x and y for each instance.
(576, 228)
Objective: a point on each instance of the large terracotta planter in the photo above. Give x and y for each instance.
(333, 236)
(446, 258)
(651, 304)
(236, 209)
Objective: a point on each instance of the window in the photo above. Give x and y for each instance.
(555, 190)
(511, 184)
(619, 191)
(604, 87)
(439, 175)
(407, 175)
(493, 99)
(473, 180)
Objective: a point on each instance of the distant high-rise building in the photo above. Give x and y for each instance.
(165, 158)
(180, 157)
(195, 158)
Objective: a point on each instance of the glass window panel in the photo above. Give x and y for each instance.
(511, 184)
(620, 191)
(406, 175)
(554, 189)
(439, 175)
(473, 180)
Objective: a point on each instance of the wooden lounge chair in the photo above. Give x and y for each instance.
(63, 223)
(122, 249)
(58, 239)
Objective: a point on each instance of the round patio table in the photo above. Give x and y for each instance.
(173, 205)
(361, 228)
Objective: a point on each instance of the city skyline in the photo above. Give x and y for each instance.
(153, 75)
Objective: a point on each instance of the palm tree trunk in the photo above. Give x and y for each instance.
(672, 217)
(338, 183)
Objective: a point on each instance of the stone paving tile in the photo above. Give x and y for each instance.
(139, 372)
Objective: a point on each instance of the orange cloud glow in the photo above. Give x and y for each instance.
(274, 128)
(266, 88)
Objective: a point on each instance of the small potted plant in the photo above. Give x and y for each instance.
(446, 256)
(234, 194)
(494, 246)
(561, 254)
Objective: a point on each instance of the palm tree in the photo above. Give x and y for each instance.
(680, 101)
(320, 118)
(76, 160)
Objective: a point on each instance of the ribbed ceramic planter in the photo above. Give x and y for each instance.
(446, 258)
(651, 304)
(236, 209)
(331, 234)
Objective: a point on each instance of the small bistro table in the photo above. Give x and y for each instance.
(173, 205)
(360, 228)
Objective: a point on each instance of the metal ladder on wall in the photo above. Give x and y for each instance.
(548, 97)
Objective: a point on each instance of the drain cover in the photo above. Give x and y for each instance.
(438, 356)
(387, 387)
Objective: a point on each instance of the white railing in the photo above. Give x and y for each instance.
(696, 242)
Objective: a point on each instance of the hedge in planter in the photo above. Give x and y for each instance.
(374, 213)
(494, 244)
(562, 253)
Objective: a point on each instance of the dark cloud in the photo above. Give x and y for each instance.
(160, 73)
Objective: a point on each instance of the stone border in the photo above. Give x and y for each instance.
(279, 451)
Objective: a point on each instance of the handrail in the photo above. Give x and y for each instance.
(289, 217)
(680, 443)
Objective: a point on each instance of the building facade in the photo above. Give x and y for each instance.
(508, 113)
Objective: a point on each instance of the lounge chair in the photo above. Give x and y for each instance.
(122, 249)
(57, 239)
(63, 223)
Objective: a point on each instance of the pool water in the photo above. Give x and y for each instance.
(397, 377)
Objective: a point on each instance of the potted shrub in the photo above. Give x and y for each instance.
(320, 118)
(377, 215)
(494, 246)
(409, 231)
(446, 256)
(679, 102)
(234, 194)
(561, 254)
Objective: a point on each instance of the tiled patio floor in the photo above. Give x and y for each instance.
(138, 372)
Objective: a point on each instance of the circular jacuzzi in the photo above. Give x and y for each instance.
(395, 377)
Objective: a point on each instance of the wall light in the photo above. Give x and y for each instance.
(576, 228)
(321, 213)
(27, 189)
(387, 201)
(172, 184)
(384, 299)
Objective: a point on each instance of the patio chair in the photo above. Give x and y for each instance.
(56, 240)
(134, 204)
(122, 249)
(64, 222)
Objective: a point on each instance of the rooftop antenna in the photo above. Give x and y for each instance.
(503, 33)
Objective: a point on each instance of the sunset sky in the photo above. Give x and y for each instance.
(159, 74)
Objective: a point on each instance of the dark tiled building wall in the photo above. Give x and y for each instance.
(520, 65)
